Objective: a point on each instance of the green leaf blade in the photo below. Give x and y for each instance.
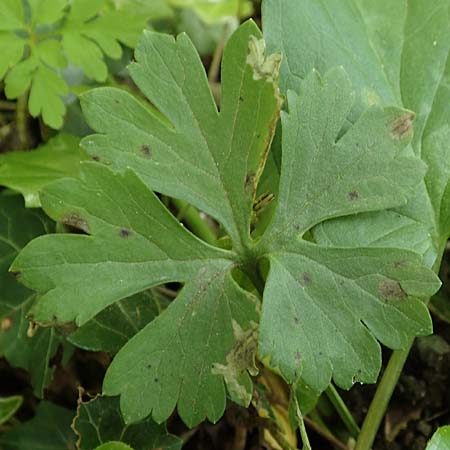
(324, 309)
(328, 174)
(150, 246)
(173, 358)
(198, 140)
(28, 172)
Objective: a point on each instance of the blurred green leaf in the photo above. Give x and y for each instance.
(110, 329)
(100, 421)
(28, 172)
(113, 446)
(49, 429)
(18, 226)
(440, 439)
(9, 406)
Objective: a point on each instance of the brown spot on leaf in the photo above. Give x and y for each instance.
(96, 158)
(398, 264)
(296, 320)
(403, 125)
(353, 195)
(249, 181)
(124, 233)
(146, 151)
(306, 279)
(391, 290)
(76, 221)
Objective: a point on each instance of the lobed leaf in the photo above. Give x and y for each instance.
(212, 160)
(395, 55)
(319, 303)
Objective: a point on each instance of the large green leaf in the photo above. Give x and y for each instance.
(17, 227)
(210, 159)
(395, 54)
(29, 171)
(48, 429)
(147, 246)
(99, 421)
(320, 304)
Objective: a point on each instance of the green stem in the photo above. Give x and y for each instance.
(343, 411)
(21, 121)
(387, 384)
(214, 68)
(381, 399)
(194, 221)
(301, 423)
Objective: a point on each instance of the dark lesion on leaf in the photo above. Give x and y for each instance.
(403, 125)
(306, 279)
(74, 220)
(249, 181)
(124, 233)
(96, 158)
(399, 264)
(353, 195)
(146, 151)
(391, 290)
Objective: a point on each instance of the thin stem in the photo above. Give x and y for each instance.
(326, 434)
(21, 121)
(387, 384)
(301, 423)
(343, 411)
(381, 399)
(192, 218)
(214, 68)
